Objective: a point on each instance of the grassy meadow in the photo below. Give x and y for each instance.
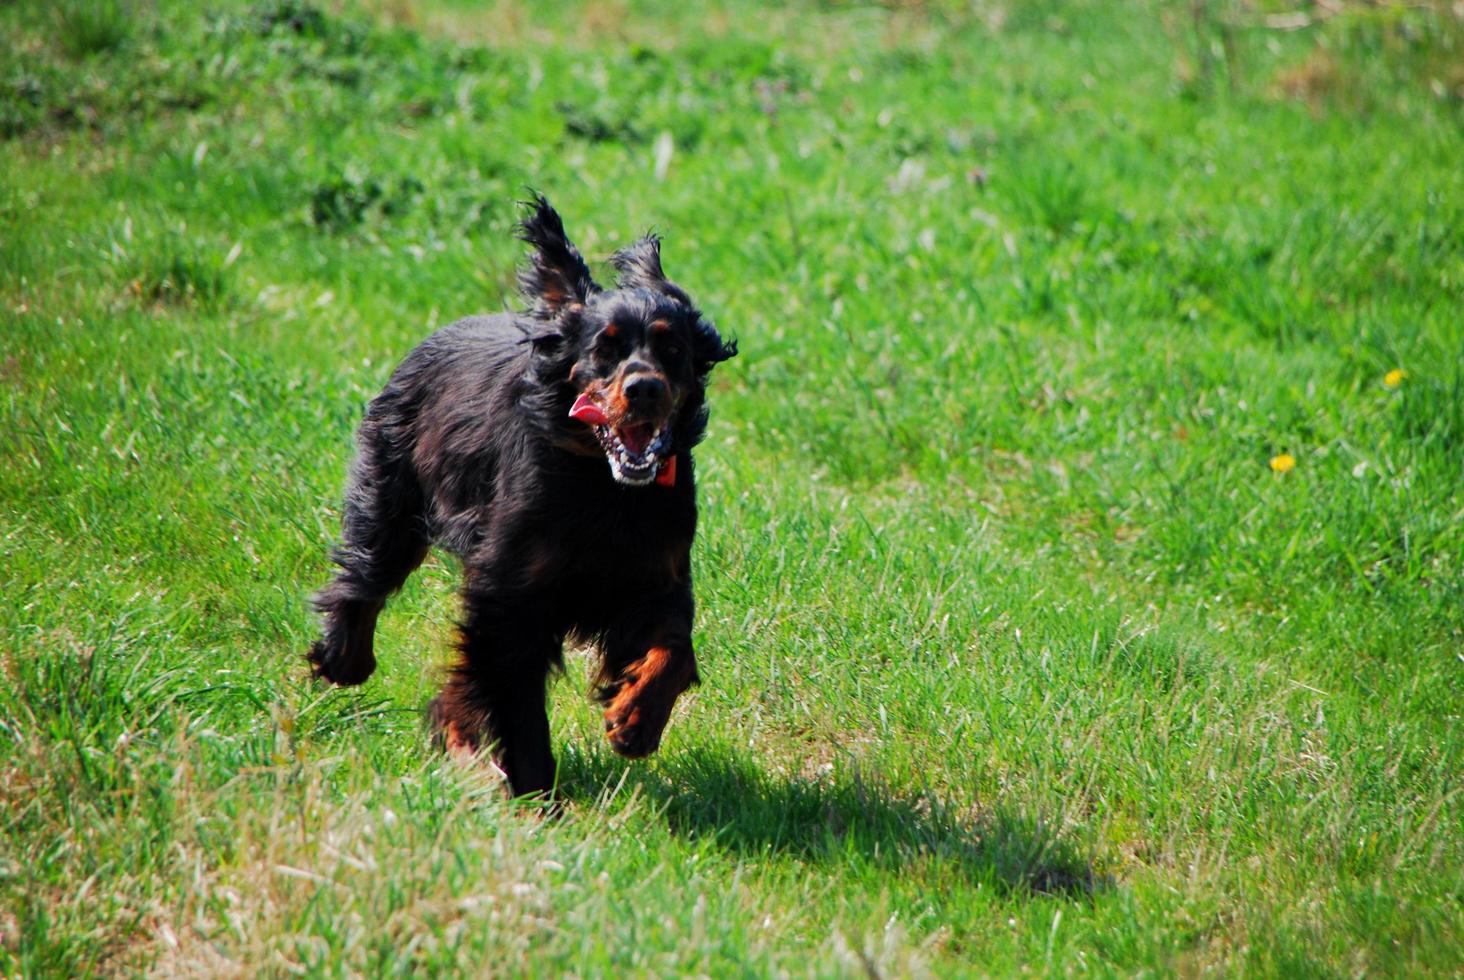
(1081, 574)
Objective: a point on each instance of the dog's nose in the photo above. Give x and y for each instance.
(644, 391)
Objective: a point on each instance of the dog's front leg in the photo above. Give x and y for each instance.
(495, 697)
(648, 663)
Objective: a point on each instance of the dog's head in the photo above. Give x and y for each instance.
(621, 371)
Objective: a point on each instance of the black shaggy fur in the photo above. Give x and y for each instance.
(568, 527)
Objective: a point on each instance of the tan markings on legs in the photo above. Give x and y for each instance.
(637, 714)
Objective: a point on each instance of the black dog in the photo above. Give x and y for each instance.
(550, 449)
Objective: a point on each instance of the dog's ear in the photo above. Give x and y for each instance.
(707, 347)
(556, 277)
(639, 266)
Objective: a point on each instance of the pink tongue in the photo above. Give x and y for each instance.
(587, 411)
(637, 437)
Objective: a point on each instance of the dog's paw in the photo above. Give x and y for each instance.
(338, 668)
(632, 733)
(639, 703)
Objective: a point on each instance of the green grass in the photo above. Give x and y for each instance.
(1018, 656)
(86, 27)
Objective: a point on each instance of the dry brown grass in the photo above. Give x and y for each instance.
(1314, 81)
(595, 23)
(307, 864)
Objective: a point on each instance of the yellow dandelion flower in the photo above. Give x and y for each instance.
(1394, 377)
(1284, 463)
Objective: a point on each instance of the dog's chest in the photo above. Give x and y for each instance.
(614, 549)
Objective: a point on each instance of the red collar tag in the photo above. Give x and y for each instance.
(666, 475)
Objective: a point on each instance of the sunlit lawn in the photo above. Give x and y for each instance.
(1081, 574)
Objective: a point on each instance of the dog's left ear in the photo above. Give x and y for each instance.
(557, 277)
(707, 347)
(639, 266)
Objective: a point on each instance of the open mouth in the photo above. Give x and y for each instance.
(635, 450)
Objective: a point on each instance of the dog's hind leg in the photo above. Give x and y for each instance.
(495, 695)
(384, 539)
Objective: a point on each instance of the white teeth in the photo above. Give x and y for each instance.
(632, 468)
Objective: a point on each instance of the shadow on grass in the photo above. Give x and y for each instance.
(708, 793)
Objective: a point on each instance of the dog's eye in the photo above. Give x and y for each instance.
(673, 351)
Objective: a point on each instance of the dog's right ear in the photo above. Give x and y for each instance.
(554, 352)
(556, 278)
